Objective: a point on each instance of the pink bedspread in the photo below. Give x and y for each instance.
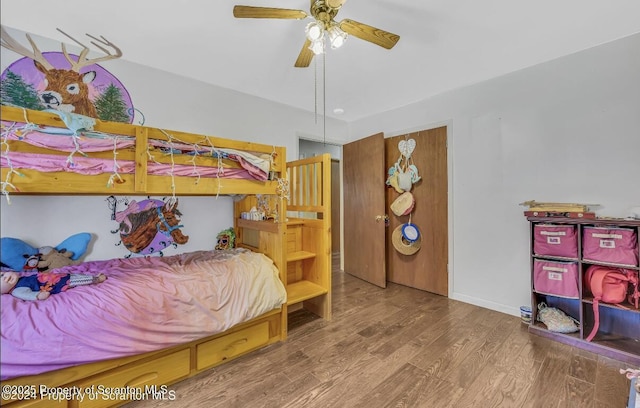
(146, 304)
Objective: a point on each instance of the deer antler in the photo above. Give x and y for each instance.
(82, 58)
(10, 43)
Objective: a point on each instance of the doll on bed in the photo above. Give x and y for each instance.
(42, 285)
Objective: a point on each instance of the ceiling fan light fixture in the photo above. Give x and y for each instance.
(315, 31)
(317, 47)
(337, 37)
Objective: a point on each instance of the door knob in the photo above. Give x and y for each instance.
(381, 217)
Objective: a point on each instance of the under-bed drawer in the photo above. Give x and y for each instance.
(157, 372)
(214, 351)
(39, 403)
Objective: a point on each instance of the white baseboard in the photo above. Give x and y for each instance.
(498, 307)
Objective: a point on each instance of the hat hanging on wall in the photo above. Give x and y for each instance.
(406, 239)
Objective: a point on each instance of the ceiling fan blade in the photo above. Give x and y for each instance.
(305, 56)
(267, 12)
(366, 32)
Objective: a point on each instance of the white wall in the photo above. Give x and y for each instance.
(48, 220)
(174, 103)
(565, 131)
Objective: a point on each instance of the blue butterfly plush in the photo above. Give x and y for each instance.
(20, 256)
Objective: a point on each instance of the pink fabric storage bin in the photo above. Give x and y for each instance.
(555, 240)
(556, 278)
(611, 245)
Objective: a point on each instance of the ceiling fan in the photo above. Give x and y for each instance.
(323, 13)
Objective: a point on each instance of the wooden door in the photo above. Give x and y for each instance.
(427, 269)
(364, 209)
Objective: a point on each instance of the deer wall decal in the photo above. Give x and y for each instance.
(66, 89)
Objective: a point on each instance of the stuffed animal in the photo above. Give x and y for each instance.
(226, 239)
(18, 255)
(50, 259)
(43, 285)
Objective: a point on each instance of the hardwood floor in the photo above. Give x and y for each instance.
(402, 347)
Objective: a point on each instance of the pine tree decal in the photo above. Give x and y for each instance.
(14, 91)
(111, 106)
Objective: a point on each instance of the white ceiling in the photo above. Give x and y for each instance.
(444, 44)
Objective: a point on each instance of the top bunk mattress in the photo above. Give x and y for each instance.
(146, 304)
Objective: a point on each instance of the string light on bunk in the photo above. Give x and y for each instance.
(5, 155)
(75, 137)
(173, 165)
(26, 119)
(150, 156)
(194, 147)
(28, 127)
(217, 154)
(195, 171)
(21, 131)
(213, 152)
(218, 173)
(76, 124)
(116, 166)
(118, 142)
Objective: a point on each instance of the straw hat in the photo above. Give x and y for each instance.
(403, 205)
(406, 239)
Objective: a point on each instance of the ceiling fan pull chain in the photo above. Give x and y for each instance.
(315, 89)
(324, 100)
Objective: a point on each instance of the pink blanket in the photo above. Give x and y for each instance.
(253, 165)
(95, 166)
(146, 304)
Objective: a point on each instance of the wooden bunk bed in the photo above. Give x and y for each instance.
(173, 364)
